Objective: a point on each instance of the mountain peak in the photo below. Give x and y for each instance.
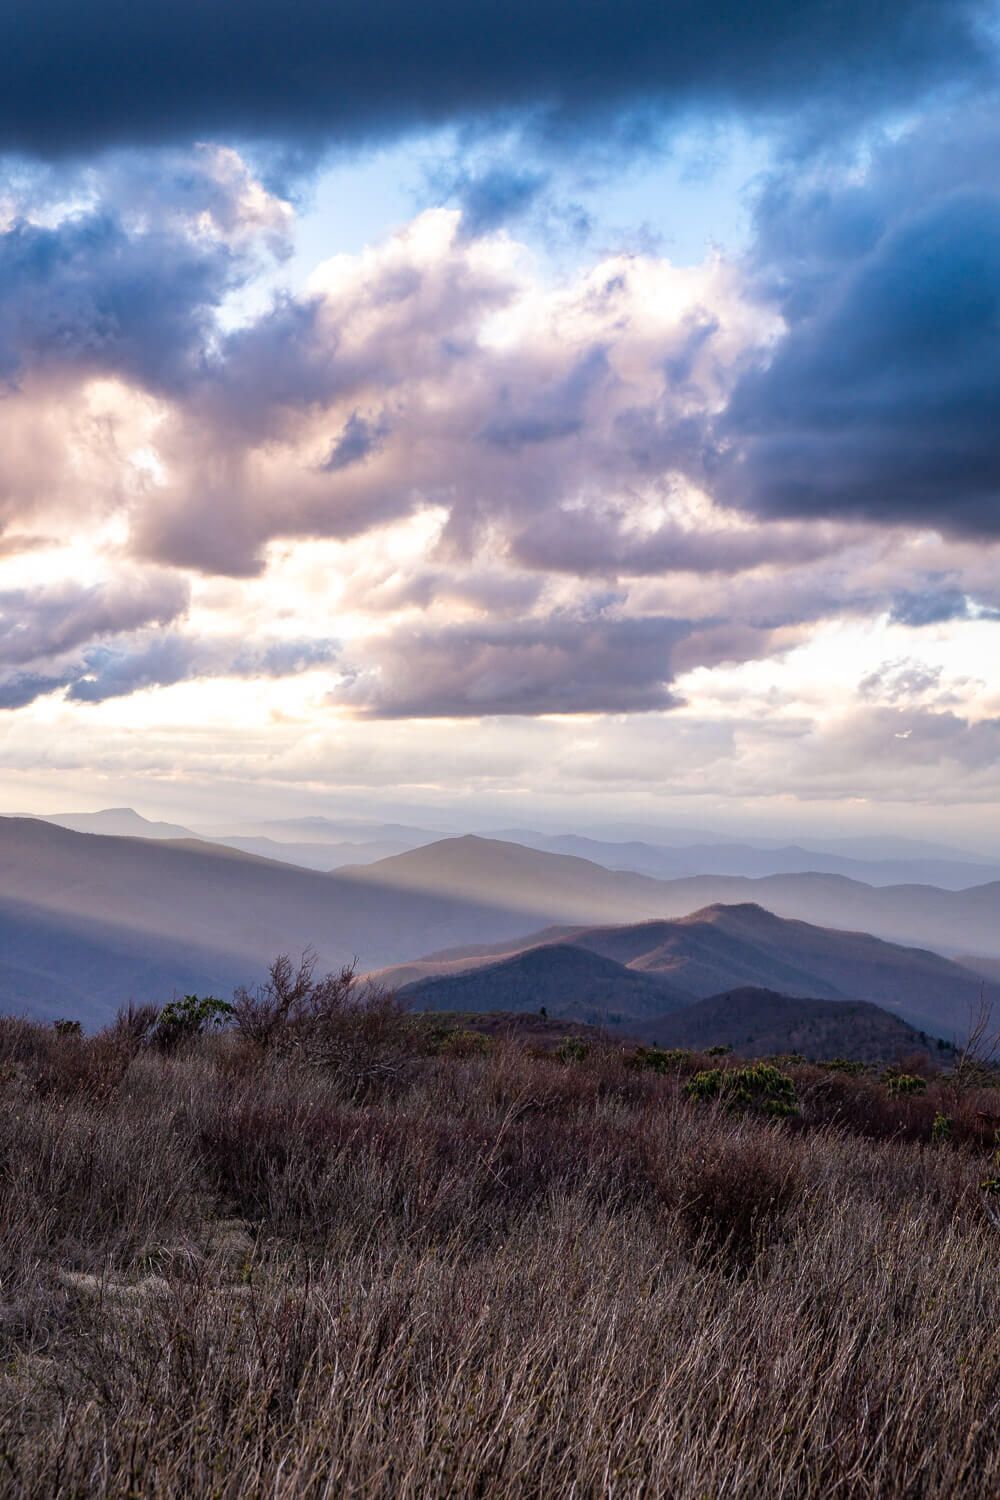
(734, 911)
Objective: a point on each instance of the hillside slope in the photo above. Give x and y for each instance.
(516, 879)
(565, 980)
(760, 1023)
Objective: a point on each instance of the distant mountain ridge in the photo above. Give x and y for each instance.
(312, 843)
(953, 922)
(321, 843)
(666, 862)
(119, 822)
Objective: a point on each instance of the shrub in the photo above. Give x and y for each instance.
(227, 1279)
(736, 1193)
(91, 1068)
(462, 1042)
(659, 1059)
(572, 1050)
(263, 1014)
(183, 1020)
(358, 1033)
(135, 1025)
(705, 1085)
(759, 1087)
(903, 1083)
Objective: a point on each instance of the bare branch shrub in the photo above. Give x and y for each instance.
(262, 1013)
(356, 1031)
(978, 1055)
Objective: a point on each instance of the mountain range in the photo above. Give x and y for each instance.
(494, 872)
(951, 871)
(592, 973)
(312, 843)
(88, 922)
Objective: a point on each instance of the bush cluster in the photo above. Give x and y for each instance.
(317, 1246)
(759, 1087)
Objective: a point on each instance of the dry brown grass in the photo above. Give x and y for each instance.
(224, 1272)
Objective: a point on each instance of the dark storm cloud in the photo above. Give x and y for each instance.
(881, 400)
(74, 77)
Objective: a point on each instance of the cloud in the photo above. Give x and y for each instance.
(113, 638)
(936, 606)
(88, 296)
(166, 660)
(358, 439)
(901, 682)
(115, 673)
(555, 412)
(48, 622)
(74, 78)
(598, 659)
(592, 542)
(495, 195)
(454, 381)
(22, 688)
(104, 672)
(560, 664)
(512, 476)
(880, 400)
(901, 749)
(131, 286)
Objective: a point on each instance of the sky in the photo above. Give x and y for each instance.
(565, 414)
